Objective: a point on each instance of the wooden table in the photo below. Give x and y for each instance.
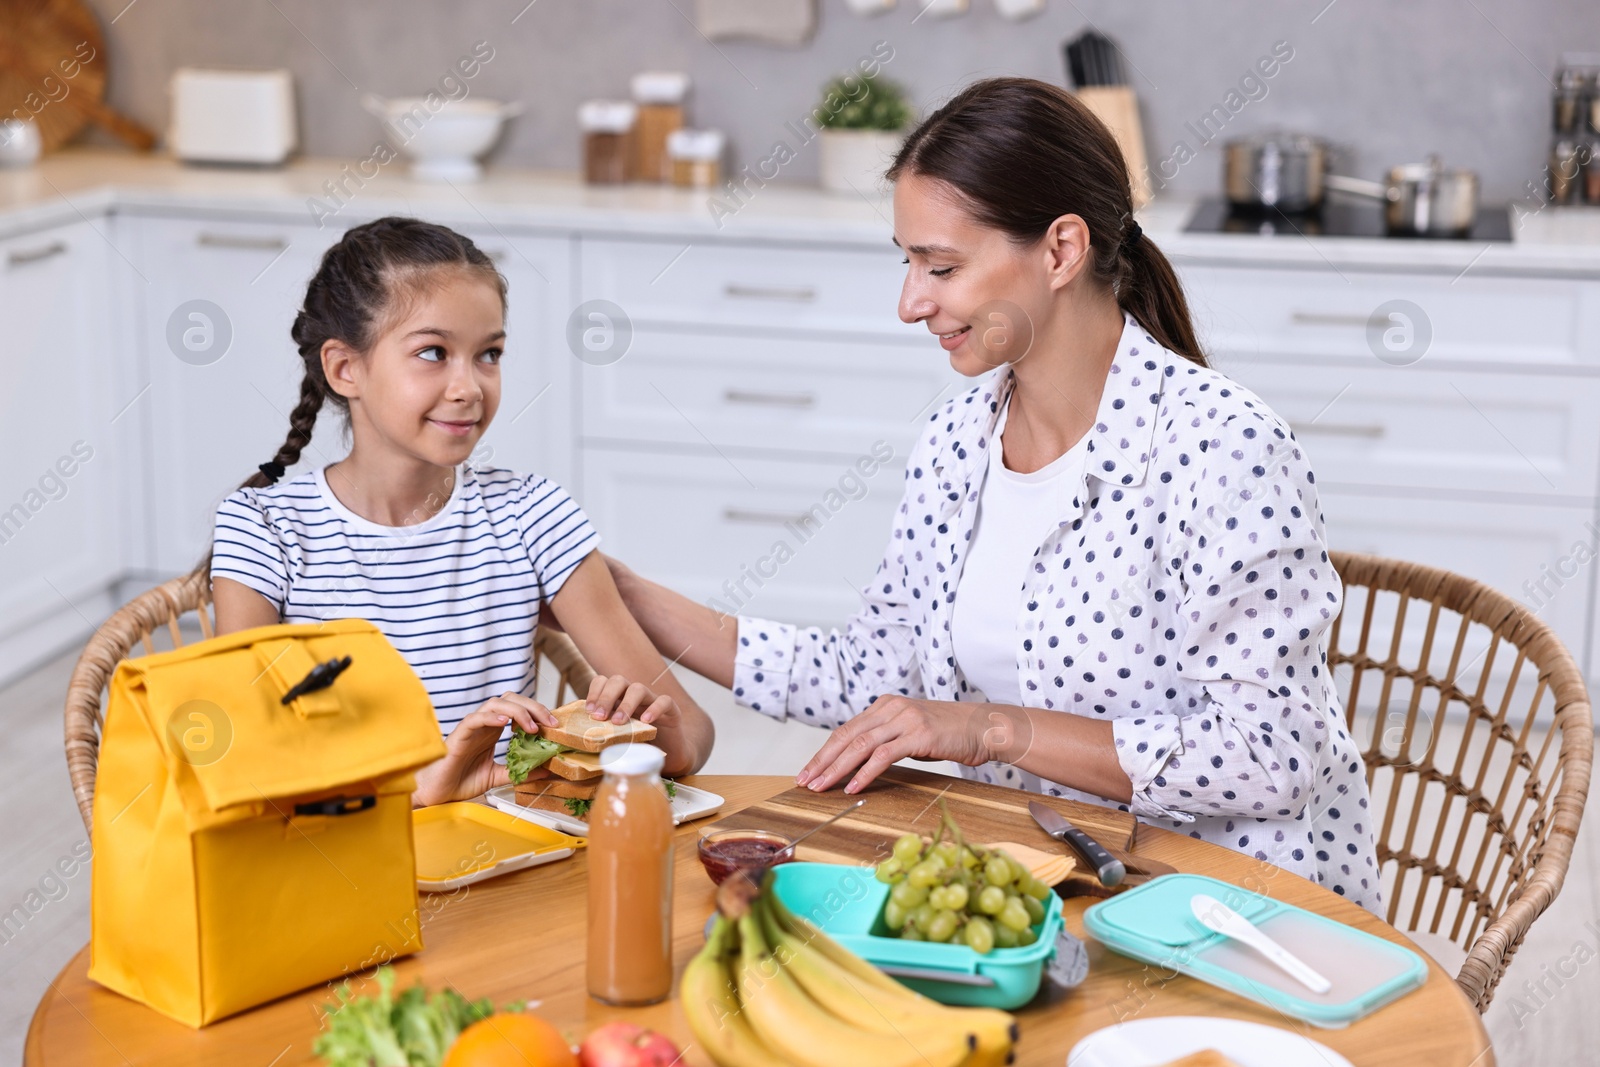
(521, 936)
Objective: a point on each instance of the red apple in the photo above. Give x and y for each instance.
(624, 1044)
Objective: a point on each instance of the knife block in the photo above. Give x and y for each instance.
(1118, 108)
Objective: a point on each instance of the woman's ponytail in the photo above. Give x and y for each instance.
(1148, 289)
(1023, 153)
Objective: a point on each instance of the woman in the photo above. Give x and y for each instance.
(1107, 579)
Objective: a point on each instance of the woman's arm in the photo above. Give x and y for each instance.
(591, 611)
(692, 634)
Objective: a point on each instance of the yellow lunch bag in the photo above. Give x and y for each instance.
(252, 817)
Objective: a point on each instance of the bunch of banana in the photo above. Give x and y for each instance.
(771, 990)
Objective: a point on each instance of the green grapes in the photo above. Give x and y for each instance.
(949, 891)
(908, 849)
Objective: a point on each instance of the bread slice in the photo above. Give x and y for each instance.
(580, 730)
(557, 787)
(576, 766)
(551, 802)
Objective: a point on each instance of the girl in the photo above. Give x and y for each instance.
(403, 330)
(1107, 579)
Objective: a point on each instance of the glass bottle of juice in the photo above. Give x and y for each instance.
(630, 880)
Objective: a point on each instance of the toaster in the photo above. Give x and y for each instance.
(232, 116)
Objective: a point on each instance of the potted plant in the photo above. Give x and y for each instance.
(862, 122)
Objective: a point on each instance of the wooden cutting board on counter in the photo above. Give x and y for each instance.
(905, 799)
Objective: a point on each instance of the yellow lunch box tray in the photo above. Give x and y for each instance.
(461, 843)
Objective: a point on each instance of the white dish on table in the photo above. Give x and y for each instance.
(1150, 1042)
(689, 803)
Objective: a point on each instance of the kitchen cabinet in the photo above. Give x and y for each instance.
(793, 540)
(1477, 451)
(223, 371)
(717, 450)
(60, 526)
(726, 451)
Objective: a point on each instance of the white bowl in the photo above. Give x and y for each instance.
(444, 139)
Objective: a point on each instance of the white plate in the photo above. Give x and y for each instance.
(690, 803)
(1148, 1042)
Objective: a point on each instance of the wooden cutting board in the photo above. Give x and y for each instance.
(905, 799)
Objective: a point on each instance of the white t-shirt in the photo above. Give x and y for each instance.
(1015, 514)
(458, 595)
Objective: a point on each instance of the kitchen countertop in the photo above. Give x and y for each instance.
(86, 183)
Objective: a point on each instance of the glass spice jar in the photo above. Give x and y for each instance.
(659, 95)
(607, 128)
(696, 157)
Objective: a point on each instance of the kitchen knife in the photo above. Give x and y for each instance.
(1107, 867)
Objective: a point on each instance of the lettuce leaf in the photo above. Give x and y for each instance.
(385, 1030)
(527, 752)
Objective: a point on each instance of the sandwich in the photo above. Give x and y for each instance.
(571, 750)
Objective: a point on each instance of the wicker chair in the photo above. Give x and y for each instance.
(1475, 805)
(140, 621)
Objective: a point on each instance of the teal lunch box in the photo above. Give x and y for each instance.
(1154, 923)
(846, 903)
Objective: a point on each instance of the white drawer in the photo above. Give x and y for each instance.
(1514, 549)
(743, 392)
(748, 285)
(712, 529)
(1283, 314)
(1418, 427)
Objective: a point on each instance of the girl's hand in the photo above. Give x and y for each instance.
(897, 727)
(468, 768)
(619, 700)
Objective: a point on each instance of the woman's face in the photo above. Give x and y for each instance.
(981, 293)
(430, 384)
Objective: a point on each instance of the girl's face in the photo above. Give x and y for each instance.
(430, 384)
(985, 296)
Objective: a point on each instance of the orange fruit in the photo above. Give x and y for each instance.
(510, 1040)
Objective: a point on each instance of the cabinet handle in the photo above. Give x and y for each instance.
(23, 256)
(1340, 429)
(782, 400)
(230, 240)
(1324, 318)
(800, 294)
(764, 518)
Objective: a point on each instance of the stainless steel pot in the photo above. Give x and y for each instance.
(1422, 199)
(1275, 170)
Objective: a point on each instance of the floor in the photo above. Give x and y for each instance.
(44, 915)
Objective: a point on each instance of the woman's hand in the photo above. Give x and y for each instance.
(468, 768)
(895, 728)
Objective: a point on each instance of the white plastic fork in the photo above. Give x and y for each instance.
(1215, 915)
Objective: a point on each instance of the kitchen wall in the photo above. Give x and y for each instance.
(1393, 81)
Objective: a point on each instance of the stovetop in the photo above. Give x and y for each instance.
(1338, 217)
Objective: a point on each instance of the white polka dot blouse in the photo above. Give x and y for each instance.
(1185, 595)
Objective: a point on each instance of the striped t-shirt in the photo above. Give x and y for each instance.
(458, 595)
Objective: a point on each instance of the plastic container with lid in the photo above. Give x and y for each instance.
(660, 96)
(607, 127)
(696, 157)
(846, 903)
(630, 880)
